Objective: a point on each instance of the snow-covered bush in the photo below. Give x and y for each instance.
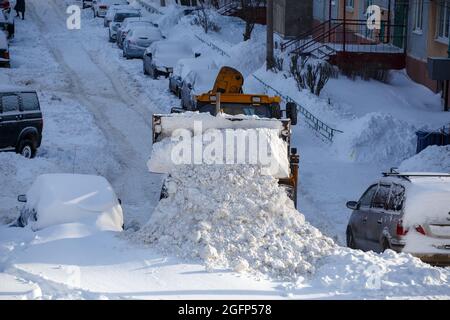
(311, 74)
(203, 18)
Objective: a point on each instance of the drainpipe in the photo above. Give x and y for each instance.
(389, 23)
(345, 24)
(270, 60)
(447, 83)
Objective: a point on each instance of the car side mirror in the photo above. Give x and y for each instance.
(22, 198)
(352, 205)
(176, 110)
(291, 112)
(197, 54)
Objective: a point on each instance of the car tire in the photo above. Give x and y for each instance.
(144, 69)
(154, 74)
(350, 238)
(27, 149)
(386, 245)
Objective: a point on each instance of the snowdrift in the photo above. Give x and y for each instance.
(376, 137)
(432, 159)
(234, 217)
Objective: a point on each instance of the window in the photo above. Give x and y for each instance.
(381, 197)
(418, 15)
(30, 101)
(366, 198)
(396, 198)
(443, 21)
(10, 103)
(349, 3)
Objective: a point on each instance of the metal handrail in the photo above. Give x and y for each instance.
(302, 36)
(320, 127)
(149, 7)
(213, 46)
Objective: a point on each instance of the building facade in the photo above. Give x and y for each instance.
(428, 36)
(420, 28)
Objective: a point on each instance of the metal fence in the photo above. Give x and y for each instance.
(321, 128)
(213, 46)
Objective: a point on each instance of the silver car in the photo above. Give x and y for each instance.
(405, 212)
(130, 23)
(138, 39)
(117, 20)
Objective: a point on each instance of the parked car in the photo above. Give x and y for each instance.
(405, 212)
(161, 57)
(55, 199)
(129, 23)
(195, 83)
(100, 7)
(7, 24)
(116, 22)
(86, 3)
(21, 120)
(139, 39)
(4, 51)
(5, 6)
(182, 69)
(112, 11)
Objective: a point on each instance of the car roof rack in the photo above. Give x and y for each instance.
(393, 172)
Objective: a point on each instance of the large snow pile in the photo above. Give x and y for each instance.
(234, 217)
(377, 137)
(432, 159)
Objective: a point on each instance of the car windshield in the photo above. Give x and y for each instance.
(119, 17)
(262, 111)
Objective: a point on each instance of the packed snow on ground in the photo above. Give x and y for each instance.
(234, 217)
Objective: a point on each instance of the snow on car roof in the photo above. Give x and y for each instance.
(149, 31)
(184, 66)
(167, 53)
(65, 198)
(427, 196)
(202, 80)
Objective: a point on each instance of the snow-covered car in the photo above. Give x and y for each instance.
(117, 20)
(405, 212)
(195, 83)
(130, 23)
(55, 199)
(7, 24)
(100, 7)
(162, 56)
(109, 16)
(182, 69)
(4, 51)
(86, 4)
(138, 40)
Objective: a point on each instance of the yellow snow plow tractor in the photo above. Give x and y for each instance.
(227, 107)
